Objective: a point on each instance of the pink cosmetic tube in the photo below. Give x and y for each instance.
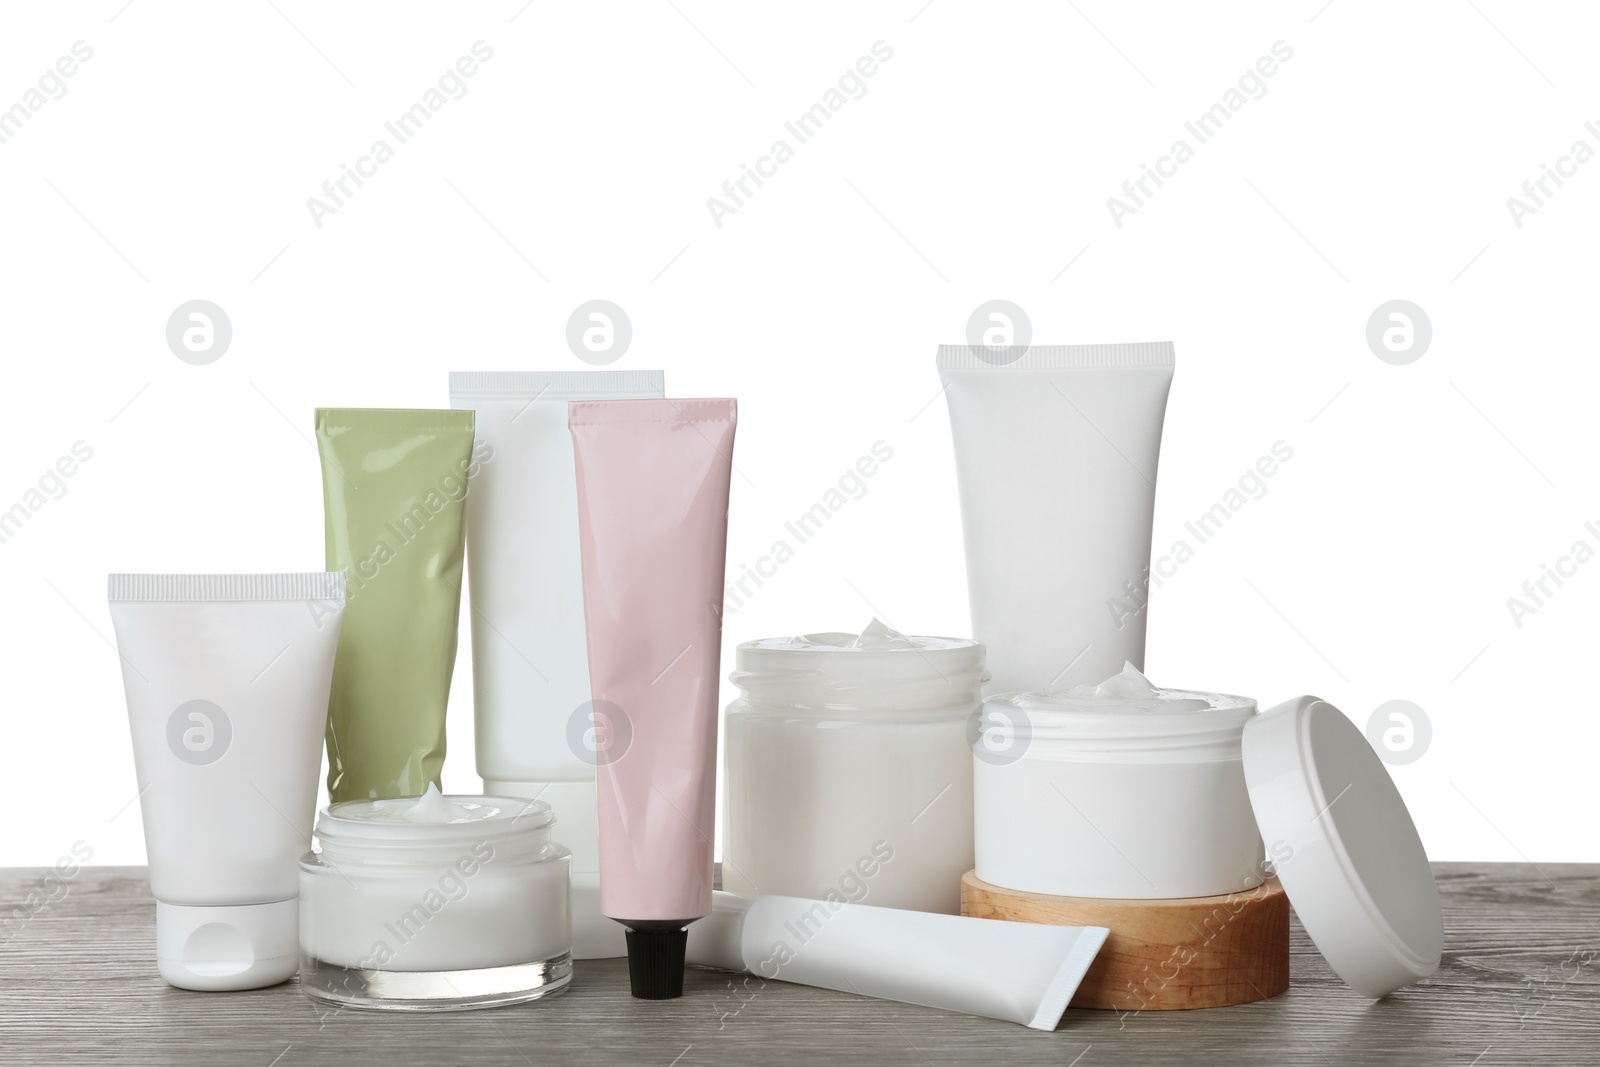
(653, 528)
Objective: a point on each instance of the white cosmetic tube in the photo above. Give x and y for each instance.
(227, 678)
(1056, 463)
(530, 668)
(1018, 972)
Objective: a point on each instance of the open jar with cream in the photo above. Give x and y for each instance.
(435, 903)
(1115, 790)
(849, 768)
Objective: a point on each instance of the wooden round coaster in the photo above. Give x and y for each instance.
(1189, 952)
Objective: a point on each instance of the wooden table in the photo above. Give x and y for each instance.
(1520, 984)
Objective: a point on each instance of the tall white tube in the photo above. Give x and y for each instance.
(530, 667)
(1056, 464)
(1019, 972)
(227, 678)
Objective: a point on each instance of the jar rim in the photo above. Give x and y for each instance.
(829, 642)
(359, 823)
(1128, 730)
(827, 671)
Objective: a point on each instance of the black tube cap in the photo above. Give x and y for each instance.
(655, 959)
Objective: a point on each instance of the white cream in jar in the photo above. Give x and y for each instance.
(1118, 789)
(849, 768)
(435, 902)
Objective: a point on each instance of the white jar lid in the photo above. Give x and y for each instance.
(1344, 845)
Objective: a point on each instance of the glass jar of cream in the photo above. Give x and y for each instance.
(435, 903)
(1115, 790)
(849, 768)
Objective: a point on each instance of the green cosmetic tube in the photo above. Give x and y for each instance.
(394, 485)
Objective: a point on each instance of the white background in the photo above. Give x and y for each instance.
(977, 165)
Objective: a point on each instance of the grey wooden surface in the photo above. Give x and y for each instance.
(1520, 984)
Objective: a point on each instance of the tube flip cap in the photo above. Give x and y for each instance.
(241, 946)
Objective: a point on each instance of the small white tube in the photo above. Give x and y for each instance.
(227, 678)
(1018, 972)
(1056, 464)
(530, 664)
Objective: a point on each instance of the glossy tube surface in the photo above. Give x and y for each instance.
(227, 680)
(1056, 464)
(530, 668)
(394, 485)
(653, 518)
(1019, 972)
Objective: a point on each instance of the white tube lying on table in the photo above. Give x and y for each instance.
(1018, 972)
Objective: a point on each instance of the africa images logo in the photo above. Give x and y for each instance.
(198, 732)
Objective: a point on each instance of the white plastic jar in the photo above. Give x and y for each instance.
(435, 903)
(849, 768)
(1115, 790)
